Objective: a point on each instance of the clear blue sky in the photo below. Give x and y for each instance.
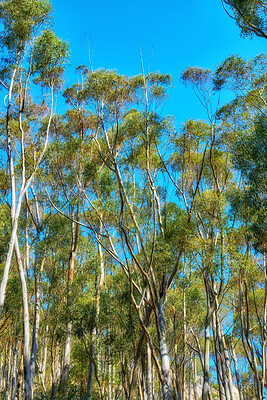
(173, 33)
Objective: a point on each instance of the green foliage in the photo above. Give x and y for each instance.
(165, 223)
(21, 20)
(13, 297)
(73, 393)
(49, 57)
(199, 77)
(4, 231)
(113, 89)
(250, 16)
(238, 73)
(250, 157)
(176, 225)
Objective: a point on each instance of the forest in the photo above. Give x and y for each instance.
(132, 253)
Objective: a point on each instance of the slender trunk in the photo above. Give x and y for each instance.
(143, 375)
(36, 324)
(136, 365)
(14, 379)
(195, 378)
(67, 349)
(14, 221)
(92, 362)
(164, 354)
(237, 375)
(177, 375)
(264, 331)
(1, 374)
(8, 375)
(245, 332)
(226, 360)
(189, 381)
(26, 327)
(113, 381)
(66, 359)
(219, 362)
(149, 373)
(140, 386)
(109, 373)
(206, 385)
(184, 342)
(222, 357)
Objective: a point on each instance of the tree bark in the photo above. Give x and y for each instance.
(237, 375)
(149, 373)
(26, 327)
(164, 354)
(14, 379)
(67, 349)
(206, 384)
(92, 363)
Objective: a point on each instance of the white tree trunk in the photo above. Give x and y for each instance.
(149, 373)
(94, 361)
(164, 354)
(206, 385)
(26, 327)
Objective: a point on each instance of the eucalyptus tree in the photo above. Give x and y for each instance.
(26, 56)
(63, 174)
(204, 177)
(245, 118)
(125, 195)
(250, 16)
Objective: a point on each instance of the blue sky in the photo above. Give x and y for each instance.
(172, 34)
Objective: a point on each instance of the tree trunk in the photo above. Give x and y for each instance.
(66, 360)
(36, 324)
(184, 343)
(264, 330)
(14, 218)
(164, 354)
(14, 379)
(219, 361)
(195, 378)
(206, 385)
(237, 375)
(109, 373)
(26, 327)
(99, 285)
(8, 375)
(67, 349)
(149, 373)
(228, 379)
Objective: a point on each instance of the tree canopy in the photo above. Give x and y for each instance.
(132, 252)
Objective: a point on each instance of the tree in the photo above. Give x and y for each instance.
(244, 119)
(25, 57)
(250, 16)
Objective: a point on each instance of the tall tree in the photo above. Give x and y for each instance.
(250, 16)
(26, 56)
